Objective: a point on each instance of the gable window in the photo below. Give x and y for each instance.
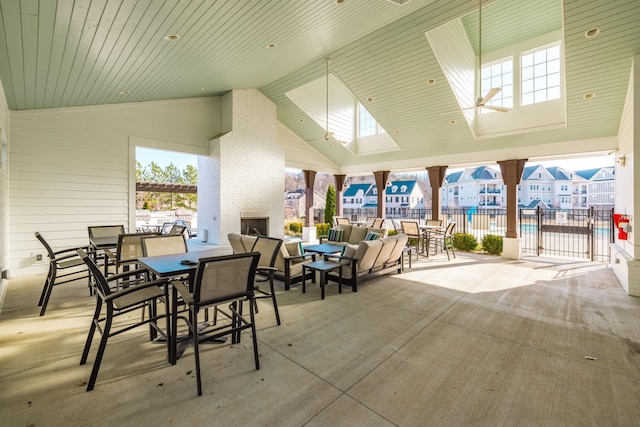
(540, 75)
(367, 125)
(498, 74)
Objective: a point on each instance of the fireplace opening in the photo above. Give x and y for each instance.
(254, 226)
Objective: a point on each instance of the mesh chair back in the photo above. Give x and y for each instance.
(268, 248)
(436, 222)
(410, 228)
(164, 245)
(342, 220)
(130, 246)
(177, 229)
(377, 223)
(99, 231)
(450, 227)
(224, 278)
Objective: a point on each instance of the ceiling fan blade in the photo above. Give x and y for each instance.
(492, 92)
(495, 108)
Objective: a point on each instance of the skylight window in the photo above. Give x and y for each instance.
(498, 74)
(540, 75)
(367, 125)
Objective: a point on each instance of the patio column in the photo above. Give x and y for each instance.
(511, 173)
(436, 178)
(339, 190)
(309, 181)
(381, 182)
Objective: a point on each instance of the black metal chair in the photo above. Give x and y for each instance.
(126, 254)
(411, 229)
(444, 240)
(63, 264)
(164, 245)
(221, 280)
(141, 296)
(268, 248)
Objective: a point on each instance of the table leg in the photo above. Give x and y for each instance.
(340, 279)
(174, 326)
(322, 280)
(304, 282)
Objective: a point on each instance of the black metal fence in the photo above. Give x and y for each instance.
(577, 233)
(581, 233)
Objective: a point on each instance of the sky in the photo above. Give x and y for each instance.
(163, 158)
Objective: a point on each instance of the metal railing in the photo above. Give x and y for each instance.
(582, 233)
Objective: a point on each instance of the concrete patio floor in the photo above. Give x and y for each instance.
(476, 341)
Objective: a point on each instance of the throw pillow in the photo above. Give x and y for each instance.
(371, 236)
(334, 235)
(300, 248)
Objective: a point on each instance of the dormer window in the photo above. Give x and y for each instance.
(394, 189)
(403, 189)
(540, 75)
(367, 125)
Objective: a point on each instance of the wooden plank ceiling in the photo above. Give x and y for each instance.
(70, 53)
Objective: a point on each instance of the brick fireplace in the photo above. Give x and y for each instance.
(241, 183)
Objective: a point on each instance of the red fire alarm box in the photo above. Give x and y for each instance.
(621, 222)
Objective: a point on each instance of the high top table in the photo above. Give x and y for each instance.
(167, 266)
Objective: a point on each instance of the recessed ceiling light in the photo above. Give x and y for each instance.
(204, 89)
(397, 132)
(340, 1)
(271, 45)
(431, 82)
(369, 99)
(592, 32)
(589, 95)
(124, 92)
(452, 122)
(172, 37)
(301, 120)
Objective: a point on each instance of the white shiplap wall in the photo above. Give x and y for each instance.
(625, 264)
(4, 189)
(70, 167)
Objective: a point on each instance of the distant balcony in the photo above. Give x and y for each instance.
(490, 191)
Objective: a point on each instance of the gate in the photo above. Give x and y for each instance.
(578, 233)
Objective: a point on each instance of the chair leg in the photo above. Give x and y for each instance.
(153, 311)
(46, 285)
(273, 298)
(101, 348)
(49, 289)
(196, 349)
(92, 330)
(254, 338)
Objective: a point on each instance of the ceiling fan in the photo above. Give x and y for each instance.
(481, 101)
(328, 136)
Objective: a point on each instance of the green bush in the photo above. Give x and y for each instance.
(322, 229)
(295, 227)
(492, 244)
(465, 242)
(391, 233)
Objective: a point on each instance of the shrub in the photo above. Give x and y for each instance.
(322, 229)
(295, 227)
(465, 242)
(492, 244)
(392, 232)
(330, 205)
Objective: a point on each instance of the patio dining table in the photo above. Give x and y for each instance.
(177, 265)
